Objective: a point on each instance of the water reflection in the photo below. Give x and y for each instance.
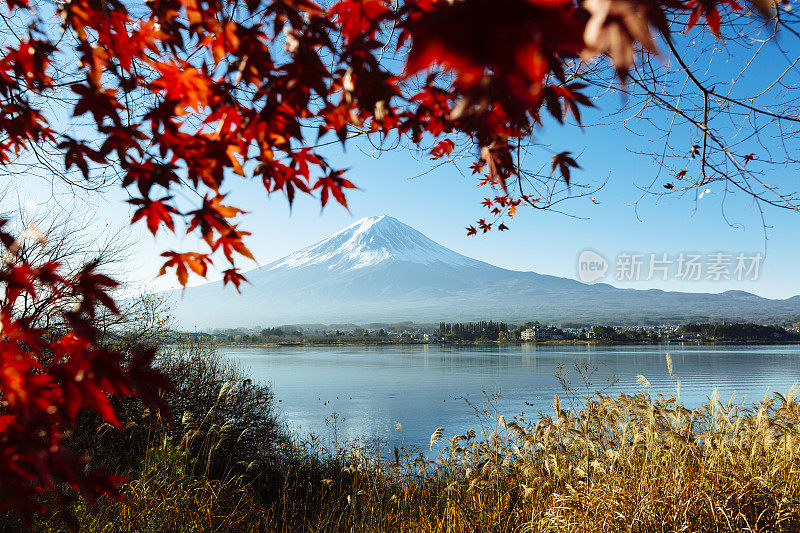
(421, 386)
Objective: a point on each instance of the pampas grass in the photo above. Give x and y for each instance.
(633, 462)
(628, 463)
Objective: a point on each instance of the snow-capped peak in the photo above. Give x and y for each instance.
(370, 241)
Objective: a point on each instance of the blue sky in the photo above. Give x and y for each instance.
(442, 201)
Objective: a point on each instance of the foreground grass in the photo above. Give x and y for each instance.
(627, 463)
(605, 464)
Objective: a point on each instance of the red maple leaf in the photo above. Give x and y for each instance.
(443, 148)
(93, 287)
(184, 83)
(231, 241)
(563, 161)
(100, 103)
(358, 17)
(155, 212)
(332, 184)
(147, 173)
(76, 153)
(88, 376)
(233, 276)
(709, 8)
(19, 279)
(183, 262)
(212, 216)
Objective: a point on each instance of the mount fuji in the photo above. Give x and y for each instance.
(381, 270)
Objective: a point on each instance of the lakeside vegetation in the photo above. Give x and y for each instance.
(595, 463)
(492, 332)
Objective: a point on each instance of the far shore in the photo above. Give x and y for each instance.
(570, 342)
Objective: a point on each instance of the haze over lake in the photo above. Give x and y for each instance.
(422, 386)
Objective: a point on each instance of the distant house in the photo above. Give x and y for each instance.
(539, 334)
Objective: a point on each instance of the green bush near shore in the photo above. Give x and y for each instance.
(628, 463)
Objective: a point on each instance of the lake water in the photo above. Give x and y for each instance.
(423, 387)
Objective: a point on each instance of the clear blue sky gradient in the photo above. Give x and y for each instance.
(442, 201)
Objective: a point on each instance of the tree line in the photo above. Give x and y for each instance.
(470, 331)
(746, 331)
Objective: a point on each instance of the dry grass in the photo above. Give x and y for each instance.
(629, 463)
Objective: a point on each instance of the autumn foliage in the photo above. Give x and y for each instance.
(186, 95)
(47, 376)
(189, 94)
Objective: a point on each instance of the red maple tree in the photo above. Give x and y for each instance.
(188, 94)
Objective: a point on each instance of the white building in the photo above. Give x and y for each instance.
(541, 333)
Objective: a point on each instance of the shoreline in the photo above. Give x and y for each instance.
(311, 344)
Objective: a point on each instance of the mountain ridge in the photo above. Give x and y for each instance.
(380, 269)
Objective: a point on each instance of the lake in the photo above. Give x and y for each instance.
(424, 386)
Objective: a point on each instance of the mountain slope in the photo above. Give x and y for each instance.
(379, 269)
(371, 241)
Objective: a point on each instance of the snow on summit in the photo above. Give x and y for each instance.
(370, 241)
